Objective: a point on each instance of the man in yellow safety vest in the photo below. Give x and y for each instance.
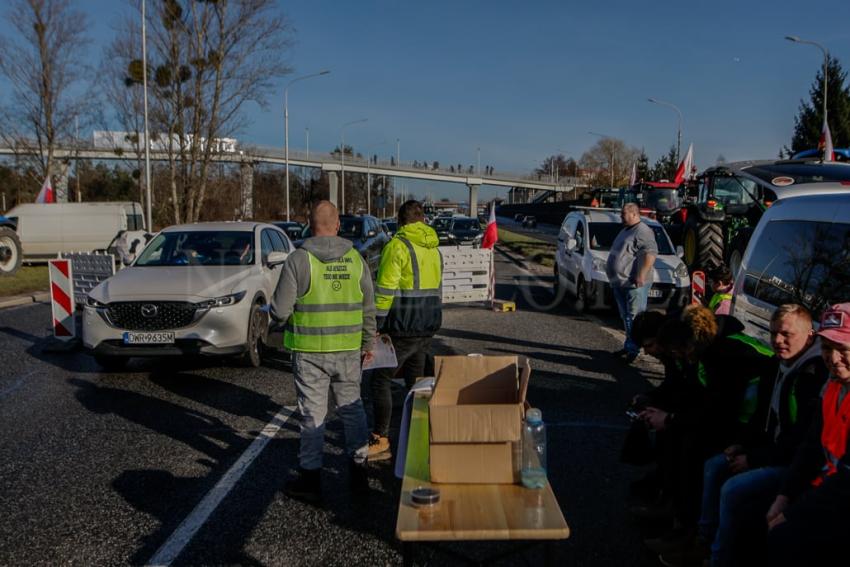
(325, 298)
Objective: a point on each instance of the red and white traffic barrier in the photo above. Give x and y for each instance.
(698, 288)
(62, 299)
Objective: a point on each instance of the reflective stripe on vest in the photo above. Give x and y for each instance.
(750, 400)
(836, 422)
(329, 317)
(717, 299)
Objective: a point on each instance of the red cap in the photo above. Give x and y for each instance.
(835, 323)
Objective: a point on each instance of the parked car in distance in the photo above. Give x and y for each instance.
(442, 226)
(195, 289)
(48, 229)
(292, 229)
(529, 222)
(365, 233)
(465, 231)
(584, 241)
(798, 253)
(390, 226)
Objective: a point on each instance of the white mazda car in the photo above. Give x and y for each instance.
(195, 289)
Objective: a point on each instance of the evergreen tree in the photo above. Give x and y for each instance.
(665, 167)
(643, 171)
(809, 121)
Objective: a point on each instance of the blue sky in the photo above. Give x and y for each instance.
(524, 80)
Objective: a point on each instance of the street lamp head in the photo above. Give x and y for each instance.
(325, 72)
(793, 38)
(650, 99)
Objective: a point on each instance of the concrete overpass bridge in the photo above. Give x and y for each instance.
(335, 165)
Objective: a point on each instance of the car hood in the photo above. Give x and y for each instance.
(172, 283)
(663, 269)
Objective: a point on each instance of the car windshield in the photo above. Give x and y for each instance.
(663, 200)
(350, 228)
(199, 248)
(602, 235)
(466, 224)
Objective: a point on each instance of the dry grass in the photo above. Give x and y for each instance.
(27, 279)
(531, 248)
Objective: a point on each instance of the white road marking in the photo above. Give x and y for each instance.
(18, 383)
(171, 549)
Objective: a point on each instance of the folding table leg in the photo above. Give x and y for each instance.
(407, 553)
(549, 554)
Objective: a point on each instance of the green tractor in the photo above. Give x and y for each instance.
(733, 197)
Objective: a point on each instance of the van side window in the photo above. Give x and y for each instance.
(805, 262)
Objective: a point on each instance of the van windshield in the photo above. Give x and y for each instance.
(199, 248)
(602, 235)
(804, 262)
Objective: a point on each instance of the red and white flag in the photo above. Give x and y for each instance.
(46, 195)
(633, 177)
(825, 143)
(491, 233)
(684, 171)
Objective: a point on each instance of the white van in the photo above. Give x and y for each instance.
(799, 253)
(46, 229)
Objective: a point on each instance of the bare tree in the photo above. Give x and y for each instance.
(610, 160)
(206, 61)
(44, 64)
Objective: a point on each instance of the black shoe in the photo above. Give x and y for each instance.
(306, 485)
(358, 478)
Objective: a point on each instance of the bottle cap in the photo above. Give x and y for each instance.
(424, 496)
(534, 415)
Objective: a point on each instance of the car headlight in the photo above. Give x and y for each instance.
(92, 302)
(681, 271)
(222, 301)
(599, 264)
(450, 235)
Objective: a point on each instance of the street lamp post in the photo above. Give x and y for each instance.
(286, 126)
(148, 208)
(796, 39)
(307, 141)
(678, 130)
(604, 136)
(342, 161)
(398, 152)
(479, 162)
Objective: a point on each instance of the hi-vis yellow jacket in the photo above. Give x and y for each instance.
(408, 293)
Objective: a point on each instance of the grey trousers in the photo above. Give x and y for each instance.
(315, 375)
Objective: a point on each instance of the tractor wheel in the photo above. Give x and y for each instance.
(10, 252)
(703, 243)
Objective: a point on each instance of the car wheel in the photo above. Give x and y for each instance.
(580, 299)
(111, 363)
(10, 252)
(252, 356)
(558, 290)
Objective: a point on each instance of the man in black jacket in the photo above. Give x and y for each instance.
(733, 507)
(811, 515)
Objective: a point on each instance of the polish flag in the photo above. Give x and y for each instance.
(825, 143)
(491, 234)
(684, 170)
(46, 195)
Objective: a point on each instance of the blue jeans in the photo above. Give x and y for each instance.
(731, 503)
(630, 302)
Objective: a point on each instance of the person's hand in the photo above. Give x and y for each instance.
(366, 357)
(654, 417)
(775, 515)
(640, 280)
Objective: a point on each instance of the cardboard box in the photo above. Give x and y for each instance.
(478, 399)
(475, 414)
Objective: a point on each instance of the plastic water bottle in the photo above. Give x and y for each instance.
(533, 472)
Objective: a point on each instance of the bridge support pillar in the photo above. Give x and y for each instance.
(333, 188)
(60, 180)
(473, 200)
(246, 185)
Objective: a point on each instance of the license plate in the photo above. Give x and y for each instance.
(654, 293)
(161, 338)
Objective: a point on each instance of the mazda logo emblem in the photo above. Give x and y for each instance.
(149, 310)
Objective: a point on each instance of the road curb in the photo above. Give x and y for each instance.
(26, 299)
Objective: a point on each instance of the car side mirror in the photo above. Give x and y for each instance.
(571, 243)
(680, 251)
(276, 259)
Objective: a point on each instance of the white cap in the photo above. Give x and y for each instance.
(534, 415)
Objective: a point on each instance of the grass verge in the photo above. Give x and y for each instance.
(27, 279)
(531, 248)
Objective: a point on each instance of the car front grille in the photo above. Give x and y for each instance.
(151, 315)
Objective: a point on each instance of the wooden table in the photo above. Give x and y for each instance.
(467, 512)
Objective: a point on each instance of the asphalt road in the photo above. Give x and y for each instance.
(106, 469)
